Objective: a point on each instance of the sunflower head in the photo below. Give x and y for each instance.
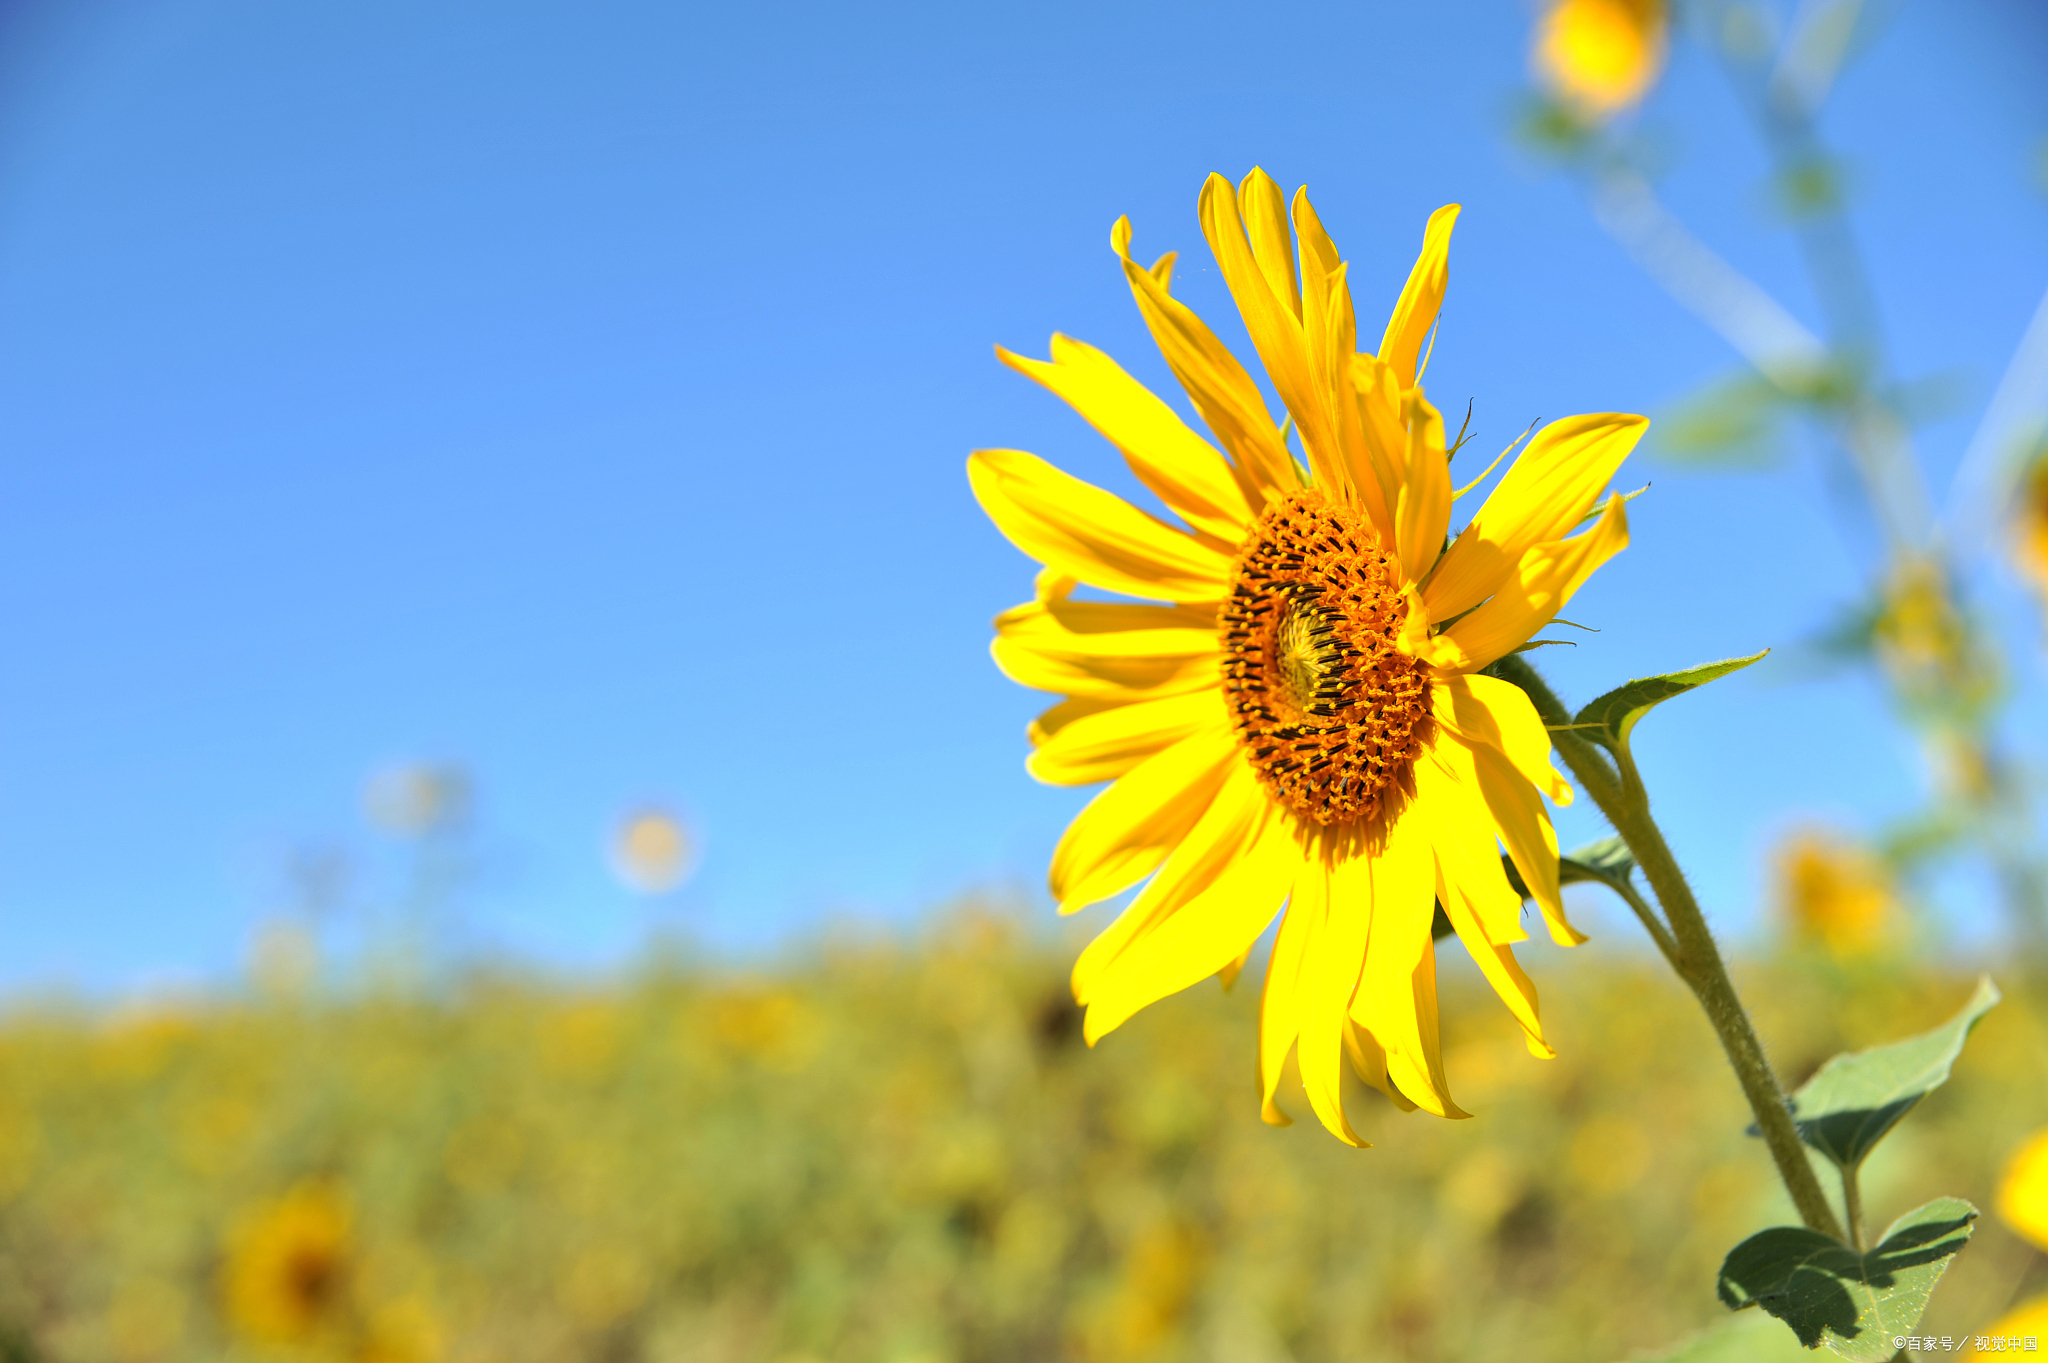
(286, 1276)
(1600, 56)
(1832, 892)
(1294, 711)
(2030, 525)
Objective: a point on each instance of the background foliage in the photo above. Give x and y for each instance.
(900, 1150)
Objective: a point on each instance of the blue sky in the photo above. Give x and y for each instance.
(581, 393)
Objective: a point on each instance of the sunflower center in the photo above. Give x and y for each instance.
(1331, 713)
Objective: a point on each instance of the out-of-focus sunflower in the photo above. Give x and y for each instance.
(1307, 724)
(2022, 1203)
(286, 1276)
(1600, 56)
(2030, 526)
(1831, 891)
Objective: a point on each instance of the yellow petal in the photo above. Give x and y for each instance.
(1201, 931)
(1051, 721)
(1477, 898)
(1544, 579)
(1396, 999)
(1379, 452)
(1466, 834)
(1115, 677)
(1330, 332)
(2023, 1190)
(2030, 1317)
(1127, 830)
(1092, 535)
(1274, 328)
(1423, 511)
(1369, 1061)
(1103, 746)
(1280, 1003)
(1206, 851)
(1340, 897)
(1216, 383)
(1543, 496)
(1265, 223)
(1522, 822)
(1421, 298)
(1488, 710)
(1185, 470)
(1110, 629)
(1112, 651)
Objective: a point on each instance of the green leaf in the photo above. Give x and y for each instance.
(1606, 861)
(1733, 423)
(1853, 1303)
(1612, 717)
(1752, 1337)
(1853, 1100)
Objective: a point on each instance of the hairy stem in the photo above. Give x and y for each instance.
(1619, 793)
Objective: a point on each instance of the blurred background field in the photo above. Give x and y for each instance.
(896, 1148)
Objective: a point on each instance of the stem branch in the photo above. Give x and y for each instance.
(1619, 793)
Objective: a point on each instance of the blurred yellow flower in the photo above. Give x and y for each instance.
(652, 851)
(1918, 633)
(285, 1278)
(1833, 892)
(2030, 523)
(2022, 1203)
(1307, 724)
(1600, 56)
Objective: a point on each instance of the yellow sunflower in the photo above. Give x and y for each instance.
(1304, 724)
(1600, 56)
(2030, 526)
(286, 1275)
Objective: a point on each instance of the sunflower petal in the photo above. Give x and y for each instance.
(1185, 470)
(1280, 1003)
(1058, 717)
(1524, 825)
(1421, 298)
(1331, 975)
(1274, 327)
(1488, 710)
(1476, 897)
(1423, 511)
(1216, 383)
(1543, 496)
(1205, 852)
(1545, 578)
(1396, 998)
(1466, 840)
(1205, 933)
(1103, 746)
(1127, 830)
(1092, 535)
(1120, 678)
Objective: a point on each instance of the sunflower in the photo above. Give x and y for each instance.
(1295, 717)
(1600, 56)
(285, 1279)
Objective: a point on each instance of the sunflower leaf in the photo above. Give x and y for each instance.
(1605, 862)
(1855, 1304)
(1747, 1338)
(1853, 1100)
(1610, 719)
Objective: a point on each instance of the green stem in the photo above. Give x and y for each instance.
(1654, 925)
(1619, 793)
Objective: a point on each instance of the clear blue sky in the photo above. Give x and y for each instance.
(582, 392)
